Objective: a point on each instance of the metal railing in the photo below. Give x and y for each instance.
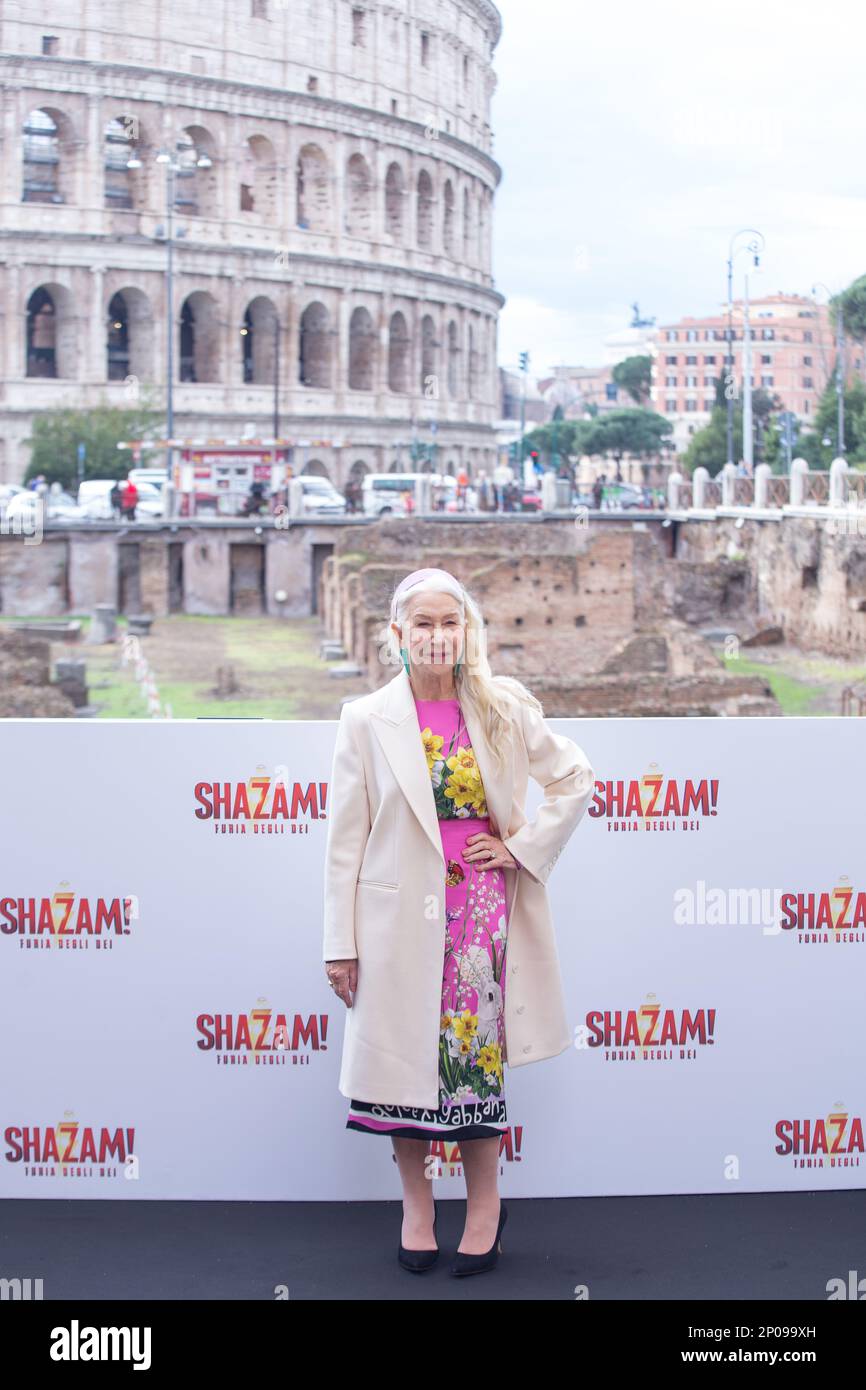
(816, 487)
(837, 490)
(778, 490)
(685, 493)
(744, 492)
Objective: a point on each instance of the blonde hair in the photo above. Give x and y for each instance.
(494, 697)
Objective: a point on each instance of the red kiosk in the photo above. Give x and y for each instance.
(215, 475)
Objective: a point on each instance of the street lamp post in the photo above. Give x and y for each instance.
(754, 245)
(276, 377)
(169, 305)
(524, 367)
(173, 167)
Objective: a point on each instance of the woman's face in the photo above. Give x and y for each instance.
(433, 631)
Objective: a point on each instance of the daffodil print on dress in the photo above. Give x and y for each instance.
(454, 773)
(472, 1022)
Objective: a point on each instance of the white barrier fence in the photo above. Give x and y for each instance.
(168, 1031)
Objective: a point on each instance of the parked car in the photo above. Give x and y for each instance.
(157, 476)
(383, 493)
(150, 499)
(623, 495)
(59, 506)
(7, 492)
(630, 496)
(94, 499)
(640, 496)
(320, 496)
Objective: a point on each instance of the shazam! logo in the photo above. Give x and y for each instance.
(649, 1032)
(266, 804)
(264, 1036)
(67, 921)
(831, 915)
(831, 1142)
(655, 802)
(71, 1149)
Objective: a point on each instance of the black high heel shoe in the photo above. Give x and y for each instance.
(419, 1260)
(476, 1264)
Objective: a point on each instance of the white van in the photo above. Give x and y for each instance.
(94, 499)
(383, 493)
(157, 476)
(319, 495)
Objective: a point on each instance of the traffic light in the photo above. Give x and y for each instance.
(524, 361)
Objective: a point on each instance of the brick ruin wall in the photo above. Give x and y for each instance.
(606, 619)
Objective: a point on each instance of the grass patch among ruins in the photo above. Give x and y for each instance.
(803, 683)
(233, 667)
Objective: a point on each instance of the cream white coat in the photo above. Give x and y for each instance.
(384, 892)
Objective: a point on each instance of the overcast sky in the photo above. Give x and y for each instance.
(634, 138)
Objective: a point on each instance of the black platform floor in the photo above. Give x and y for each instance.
(754, 1246)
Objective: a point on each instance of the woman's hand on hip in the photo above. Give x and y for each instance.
(488, 851)
(343, 978)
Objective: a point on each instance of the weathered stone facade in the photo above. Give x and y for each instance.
(583, 614)
(334, 199)
(160, 569)
(804, 575)
(604, 608)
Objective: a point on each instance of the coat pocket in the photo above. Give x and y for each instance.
(377, 883)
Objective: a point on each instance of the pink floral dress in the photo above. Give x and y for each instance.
(472, 1026)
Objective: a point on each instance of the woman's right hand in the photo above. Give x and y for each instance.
(343, 977)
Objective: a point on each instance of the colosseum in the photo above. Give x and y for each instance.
(316, 175)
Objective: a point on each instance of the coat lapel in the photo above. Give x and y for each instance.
(396, 726)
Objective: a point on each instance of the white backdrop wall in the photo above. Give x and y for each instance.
(718, 1027)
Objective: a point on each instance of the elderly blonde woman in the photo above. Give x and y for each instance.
(437, 929)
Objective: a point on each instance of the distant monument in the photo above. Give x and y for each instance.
(637, 321)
